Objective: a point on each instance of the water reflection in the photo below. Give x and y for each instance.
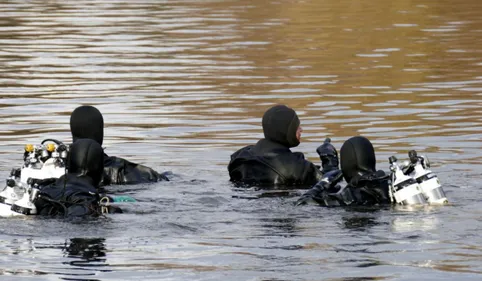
(88, 250)
(188, 71)
(359, 223)
(280, 226)
(182, 84)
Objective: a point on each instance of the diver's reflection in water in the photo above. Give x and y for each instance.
(415, 219)
(87, 254)
(359, 223)
(361, 218)
(87, 249)
(279, 226)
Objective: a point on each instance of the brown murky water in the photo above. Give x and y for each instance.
(182, 84)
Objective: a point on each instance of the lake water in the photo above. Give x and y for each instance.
(183, 84)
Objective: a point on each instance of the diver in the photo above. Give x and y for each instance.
(365, 185)
(87, 122)
(270, 161)
(75, 194)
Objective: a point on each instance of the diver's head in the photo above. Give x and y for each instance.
(357, 158)
(282, 125)
(86, 158)
(86, 122)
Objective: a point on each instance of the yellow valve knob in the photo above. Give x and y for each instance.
(29, 148)
(50, 147)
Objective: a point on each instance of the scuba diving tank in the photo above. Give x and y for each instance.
(404, 189)
(428, 181)
(9, 195)
(26, 206)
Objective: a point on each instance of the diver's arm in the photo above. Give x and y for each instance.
(319, 193)
(312, 196)
(121, 171)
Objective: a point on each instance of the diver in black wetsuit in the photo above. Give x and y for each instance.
(365, 185)
(87, 122)
(76, 193)
(270, 161)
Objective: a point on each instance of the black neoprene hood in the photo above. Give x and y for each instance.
(280, 124)
(86, 122)
(357, 157)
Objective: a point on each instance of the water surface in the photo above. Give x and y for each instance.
(183, 84)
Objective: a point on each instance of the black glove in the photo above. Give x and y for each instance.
(330, 180)
(328, 156)
(318, 193)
